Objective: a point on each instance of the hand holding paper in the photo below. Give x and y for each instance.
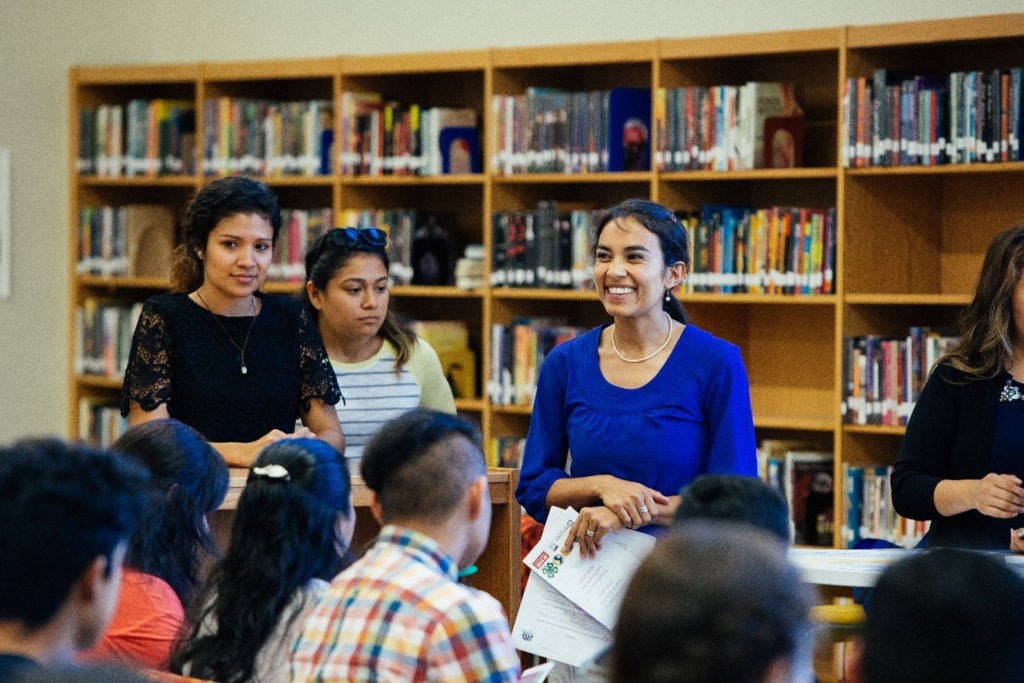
(595, 584)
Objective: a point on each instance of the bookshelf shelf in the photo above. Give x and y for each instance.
(1008, 167)
(942, 33)
(511, 409)
(100, 382)
(798, 423)
(475, 405)
(907, 299)
(877, 430)
(828, 300)
(122, 282)
(165, 181)
(402, 180)
(910, 239)
(516, 293)
(424, 291)
(760, 174)
(567, 178)
(298, 180)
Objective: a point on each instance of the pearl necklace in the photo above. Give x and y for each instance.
(241, 349)
(652, 354)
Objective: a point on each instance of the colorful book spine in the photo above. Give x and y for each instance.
(929, 119)
(883, 376)
(517, 353)
(868, 510)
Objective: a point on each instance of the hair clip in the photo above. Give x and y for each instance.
(272, 472)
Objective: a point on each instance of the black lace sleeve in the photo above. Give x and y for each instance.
(316, 376)
(148, 377)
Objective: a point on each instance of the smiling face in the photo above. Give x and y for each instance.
(355, 301)
(235, 260)
(630, 272)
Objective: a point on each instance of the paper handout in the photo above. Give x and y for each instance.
(596, 585)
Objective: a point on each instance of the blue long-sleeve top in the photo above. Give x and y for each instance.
(693, 417)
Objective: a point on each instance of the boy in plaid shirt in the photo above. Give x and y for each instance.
(399, 613)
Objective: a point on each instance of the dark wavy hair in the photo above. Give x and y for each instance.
(213, 203)
(675, 245)
(189, 480)
(323, 261)
(284, 534)
(987, 331)
(714, 601)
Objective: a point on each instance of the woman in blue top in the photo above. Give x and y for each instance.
(645, 404)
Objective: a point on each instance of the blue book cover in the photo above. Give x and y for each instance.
(460, 150)
(629, 129)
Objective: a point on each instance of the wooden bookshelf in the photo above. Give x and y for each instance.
(914, 236)
(909, 239)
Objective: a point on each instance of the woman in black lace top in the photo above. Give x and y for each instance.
(238, 365)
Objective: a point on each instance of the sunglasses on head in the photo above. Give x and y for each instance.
(346, 238)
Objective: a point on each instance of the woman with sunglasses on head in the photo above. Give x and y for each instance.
(382, 367)
(645, 404)
(238, 365)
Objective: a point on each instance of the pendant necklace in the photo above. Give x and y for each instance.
(649, 356)
(241, 349)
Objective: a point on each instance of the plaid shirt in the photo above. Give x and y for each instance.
(400, 614)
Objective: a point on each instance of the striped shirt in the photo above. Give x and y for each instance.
(399, 614)
(374, 393)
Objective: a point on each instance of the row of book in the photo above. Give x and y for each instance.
(506, 451)
(777, 250)
(300, 228)
(803, 473)
(382, 136)
(548, 247)
(147, 138)
(883, 376)
(134, 240)
(104, 336)
(733, 249)
(137, 240)
(899, 118)
(869, 512)
(267, 137)
(450, 340)
(99, 422)
(549, 130)
(728, 127)
(517, 352)
(421, 244)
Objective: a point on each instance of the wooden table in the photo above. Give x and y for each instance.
(498, 565)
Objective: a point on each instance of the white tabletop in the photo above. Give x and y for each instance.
(855, 568)
(861, 568)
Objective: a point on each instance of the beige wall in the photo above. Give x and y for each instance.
(40, 39)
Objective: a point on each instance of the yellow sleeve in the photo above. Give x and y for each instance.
(435, 392)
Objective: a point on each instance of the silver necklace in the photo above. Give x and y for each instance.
(241, 349)
(652, 354)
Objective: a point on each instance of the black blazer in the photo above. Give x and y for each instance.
(949, 436)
